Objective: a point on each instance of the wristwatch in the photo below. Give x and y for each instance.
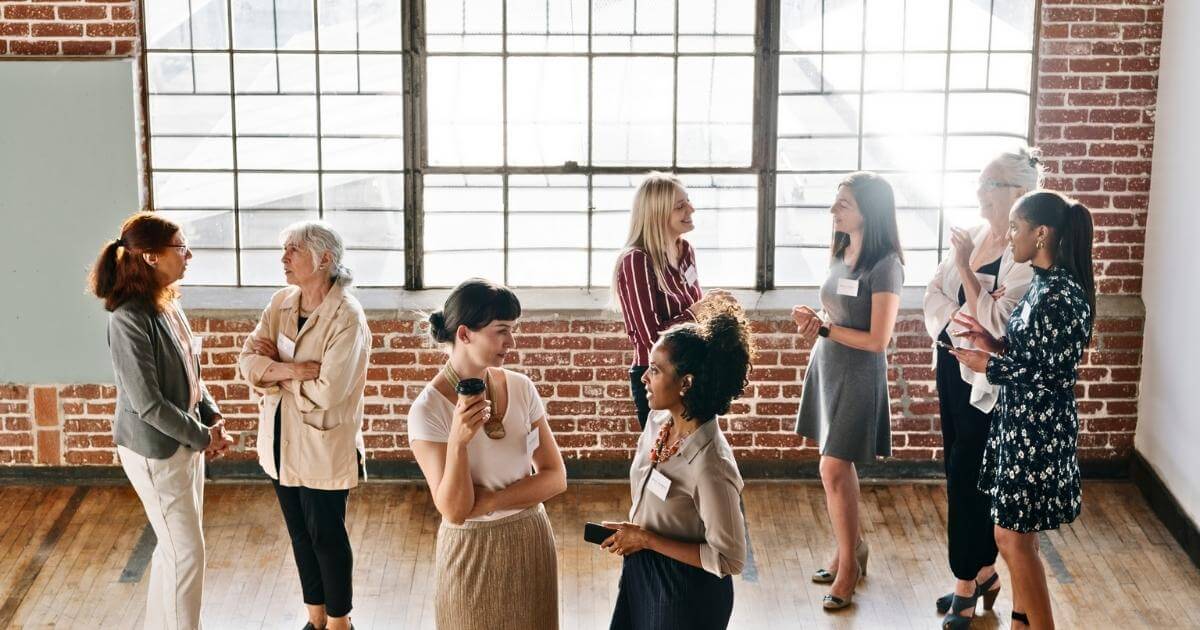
(823, 330)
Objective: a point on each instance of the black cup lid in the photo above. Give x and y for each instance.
(470, 386)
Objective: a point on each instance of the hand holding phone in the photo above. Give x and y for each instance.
(596, 533)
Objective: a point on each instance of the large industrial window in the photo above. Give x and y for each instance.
(504, 138)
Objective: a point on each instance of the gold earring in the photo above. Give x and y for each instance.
(1040, 243)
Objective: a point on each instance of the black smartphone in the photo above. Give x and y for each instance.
(596, 533)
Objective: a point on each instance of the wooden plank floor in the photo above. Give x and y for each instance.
(63, 549)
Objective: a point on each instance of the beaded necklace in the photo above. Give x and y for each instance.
(660, 452)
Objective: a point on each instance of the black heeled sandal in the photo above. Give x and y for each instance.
(985, 590)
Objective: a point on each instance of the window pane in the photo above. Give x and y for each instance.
(907, 71)
(204, 229)
(215, 267)
(970, 27)
(882, 18)
(1010, 71)
(898, 153)
(716, 111)
(465, 112)
(261, 230)
(801, 266)
(362, 115)
(800, 25)
(900, 112)
(816, 154)
(363, 191)
(379, 25)
(926, 24)
(292, 154)
(819, 73)
(547, 111)
(1002, 113)
(463, 25)
(167, 24)
(375, 268)
(191, 152)
(207, 115)
(968, 71)
(1012, 24)
(277, 190)
(717, 26)
(843, 24)
(540, 26)
(973, 153)
(827, 114)
(464, 229)
(632, 102)
(633, 26)
(726, 228)
(193, 190)
(370, 228)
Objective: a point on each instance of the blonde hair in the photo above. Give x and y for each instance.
(652, 206)
(1024, 167)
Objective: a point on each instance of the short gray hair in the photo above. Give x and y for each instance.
(319, 237)
(1023, 166)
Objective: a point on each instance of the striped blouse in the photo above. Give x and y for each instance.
(648, 310)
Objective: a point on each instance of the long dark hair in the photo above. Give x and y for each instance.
(717, 351)
(1071, 222)
(121, 274)
(877, 205)
(474, 303)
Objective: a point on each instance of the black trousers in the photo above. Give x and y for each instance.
(639, 393)
(659, 593)
(972, 543)
(316, 523)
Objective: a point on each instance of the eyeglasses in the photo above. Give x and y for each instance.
(182, 249)
(988, 185)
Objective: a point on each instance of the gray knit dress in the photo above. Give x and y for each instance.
(844, 405)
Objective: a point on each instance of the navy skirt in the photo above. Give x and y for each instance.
(659, 593)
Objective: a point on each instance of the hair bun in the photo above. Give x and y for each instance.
(437, 326)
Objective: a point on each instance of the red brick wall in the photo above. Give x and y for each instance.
(69, 27)
(1095, 121)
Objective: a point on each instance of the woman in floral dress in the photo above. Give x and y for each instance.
(1030, 467)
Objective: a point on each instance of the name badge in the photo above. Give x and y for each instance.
(658, 485)
(286, 347)
(986, 281)
(689, 274)
(197, 345)
(847, 286)
(532, 441)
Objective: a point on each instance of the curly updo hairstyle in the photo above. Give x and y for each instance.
(475, 303)
(717, 350)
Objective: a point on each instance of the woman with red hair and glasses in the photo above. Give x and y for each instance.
(165, 417)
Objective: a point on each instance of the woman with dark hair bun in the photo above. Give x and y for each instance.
(1030, 468)
(844, 405)
(480, 435)
(686, 533)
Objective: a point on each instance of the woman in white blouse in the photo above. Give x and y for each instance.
(686, 533)
(480, 435)
(980, 279)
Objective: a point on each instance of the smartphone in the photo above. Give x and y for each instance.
(596, 533)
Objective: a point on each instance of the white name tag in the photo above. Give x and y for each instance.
(197, 344)
(1025, 312)
(848, 286)
(532, 441)
(286, 347)
(689, 274)
(658, 485)
(986, 281)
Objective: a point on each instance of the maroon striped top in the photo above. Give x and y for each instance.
(648, 310)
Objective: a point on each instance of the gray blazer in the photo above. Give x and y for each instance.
(152, 386)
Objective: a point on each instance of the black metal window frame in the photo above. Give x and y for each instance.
(764, 144)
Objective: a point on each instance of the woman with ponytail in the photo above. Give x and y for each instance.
(686, 536)
(165, 416)
(480, 434)
(1030, 468)
(307, 359)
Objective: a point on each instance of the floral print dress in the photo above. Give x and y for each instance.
(1030, 467)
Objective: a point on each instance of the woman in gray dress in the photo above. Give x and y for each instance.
(844, 404)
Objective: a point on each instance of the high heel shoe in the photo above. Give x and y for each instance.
(953, 619)
(985, 590)
(861, 553)
(832, 602)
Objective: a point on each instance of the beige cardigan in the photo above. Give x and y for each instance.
(941, 304)
(321, 419)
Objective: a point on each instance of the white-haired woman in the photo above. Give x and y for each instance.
(655, 276)
(307, 359)
(979, 279)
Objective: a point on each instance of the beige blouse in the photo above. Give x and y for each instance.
(702, 495)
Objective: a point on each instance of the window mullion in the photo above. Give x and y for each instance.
(766, 122)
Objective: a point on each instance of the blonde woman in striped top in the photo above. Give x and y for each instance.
(655, 278)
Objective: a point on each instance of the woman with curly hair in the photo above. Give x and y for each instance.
(686, 532)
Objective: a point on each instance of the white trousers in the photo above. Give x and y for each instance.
(172, 492)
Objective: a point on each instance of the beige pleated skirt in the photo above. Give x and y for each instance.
(498, 575)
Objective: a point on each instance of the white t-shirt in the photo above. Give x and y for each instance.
(495, 464)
